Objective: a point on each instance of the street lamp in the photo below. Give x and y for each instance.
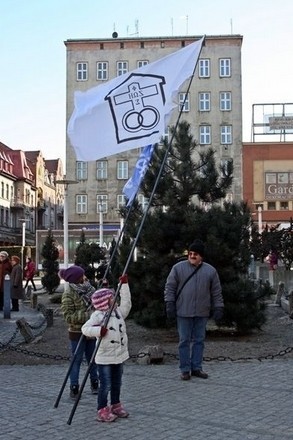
(66, 183)
(23, 220)
(100, 209)
(259, 210)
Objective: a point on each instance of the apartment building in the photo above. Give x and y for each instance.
(213, 107)
(29, 196)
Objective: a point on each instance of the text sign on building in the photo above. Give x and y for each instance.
(279, 186)
(281, 122)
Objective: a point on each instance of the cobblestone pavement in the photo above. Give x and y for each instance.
(239, 401)
(248, 400)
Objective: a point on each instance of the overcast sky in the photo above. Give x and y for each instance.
(33, 55)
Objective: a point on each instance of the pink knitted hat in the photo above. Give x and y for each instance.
(100, 299)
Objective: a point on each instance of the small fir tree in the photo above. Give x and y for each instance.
(50, 280)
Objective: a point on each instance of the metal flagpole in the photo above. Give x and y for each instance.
(133, 246)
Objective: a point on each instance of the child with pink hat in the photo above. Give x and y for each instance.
(113, 348)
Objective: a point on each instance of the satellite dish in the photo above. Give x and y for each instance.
(114, 35)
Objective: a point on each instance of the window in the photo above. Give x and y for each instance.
(226, 134)
(225, 101)
(102, 169)
(142, 63)
(205, 134)
(81, 170)
(81, 204)
(204, 68)
(2, 190)
(166, 133)
(184, 104)
(284, 205)
(81, 71)
(271, 206)
(122, 169)
(225, 67)
(102, 71)
(121, 200)
(143, 201)
(122, 67)
(204, 100)
(7, 191)
(102, 203)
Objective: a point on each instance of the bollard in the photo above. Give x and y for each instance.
(34, 300)
(6, 298)
(25, 329)
(49, 317)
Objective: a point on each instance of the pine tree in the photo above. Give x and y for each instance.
(50, 264)
(184, 208)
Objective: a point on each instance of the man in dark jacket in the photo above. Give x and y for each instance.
(192, 291)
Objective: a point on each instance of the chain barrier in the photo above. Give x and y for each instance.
(9, 346)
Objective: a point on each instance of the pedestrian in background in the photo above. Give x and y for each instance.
(16, 289)
(113, 349)
(77, 308)
(29, 273)
(192, 291)
(5, 268)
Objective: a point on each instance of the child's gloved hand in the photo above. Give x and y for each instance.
(123, 279)
(103, 331)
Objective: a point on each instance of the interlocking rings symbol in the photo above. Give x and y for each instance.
(145, 119)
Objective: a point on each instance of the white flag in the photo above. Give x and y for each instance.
(131, 110)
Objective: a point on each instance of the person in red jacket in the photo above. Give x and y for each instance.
(29, 273)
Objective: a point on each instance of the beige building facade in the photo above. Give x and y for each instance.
(213, 107)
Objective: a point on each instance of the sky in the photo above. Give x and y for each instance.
(33, 54)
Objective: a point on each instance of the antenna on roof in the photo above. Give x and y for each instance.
(114, 34)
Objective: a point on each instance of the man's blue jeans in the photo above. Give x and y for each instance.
(192, 332)
(86, 348)
(110, 381)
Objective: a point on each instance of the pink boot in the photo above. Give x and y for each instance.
(106, 415)
(119, 411)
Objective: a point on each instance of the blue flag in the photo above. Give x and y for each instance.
(131, 187)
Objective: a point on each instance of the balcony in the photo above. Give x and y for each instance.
(17, 203)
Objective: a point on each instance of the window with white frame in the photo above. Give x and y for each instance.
(102, 70)
(225, 101)
(225, 67)
(184, 102)
(226, 134)
(102, 203)
(143, 201)
(81, 71)
(204, 68)
(204, 101)
(81, 170)
(205, 134)
(166, 133)
(122, 169)
(102, 169)
(141, 63)
(81, 203)
(122, 67)
(121, 201)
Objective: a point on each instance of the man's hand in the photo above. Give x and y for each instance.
(218, 315)
(123, 279)
(171, 310)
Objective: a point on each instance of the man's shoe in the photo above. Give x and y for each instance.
(199, 373)
(74, 391)
(95, 386)
(185, 376)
